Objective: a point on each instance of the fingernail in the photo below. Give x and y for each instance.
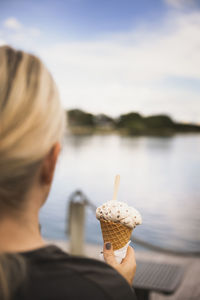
(108, 246)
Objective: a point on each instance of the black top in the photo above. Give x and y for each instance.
(53, 274)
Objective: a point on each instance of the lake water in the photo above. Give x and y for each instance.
(159, 176)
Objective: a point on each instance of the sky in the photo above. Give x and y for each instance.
(114, 56)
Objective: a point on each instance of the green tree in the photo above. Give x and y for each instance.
(77, 117)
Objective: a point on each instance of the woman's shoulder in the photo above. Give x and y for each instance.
(53, 255)
(51, 270)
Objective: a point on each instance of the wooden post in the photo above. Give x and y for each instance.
(76, 227)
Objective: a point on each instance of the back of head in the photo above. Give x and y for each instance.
(31, 121)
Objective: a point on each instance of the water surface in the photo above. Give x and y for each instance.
(159, 176)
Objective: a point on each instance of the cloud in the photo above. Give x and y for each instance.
(180, 3)
(17, 34)
(130, 72)
(12, 23)
(2, 42)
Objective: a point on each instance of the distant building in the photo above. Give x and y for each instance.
(104, 121)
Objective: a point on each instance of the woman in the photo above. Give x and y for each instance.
(32, 126)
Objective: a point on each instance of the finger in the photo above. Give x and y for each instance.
(130, 256)
(108, 254)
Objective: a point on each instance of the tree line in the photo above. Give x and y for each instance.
(131, 123)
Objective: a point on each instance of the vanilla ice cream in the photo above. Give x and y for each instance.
(119, 212)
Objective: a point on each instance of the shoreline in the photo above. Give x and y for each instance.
(89, 131)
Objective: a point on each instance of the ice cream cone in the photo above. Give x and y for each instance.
(115, 233)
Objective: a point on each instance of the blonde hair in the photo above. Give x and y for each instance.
(31, 121)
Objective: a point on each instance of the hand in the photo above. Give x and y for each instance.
(127, 267)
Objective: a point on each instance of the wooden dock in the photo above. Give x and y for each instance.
(190, 286)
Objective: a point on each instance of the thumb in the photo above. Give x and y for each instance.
(108, 254)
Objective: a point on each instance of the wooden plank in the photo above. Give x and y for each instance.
(189, 288)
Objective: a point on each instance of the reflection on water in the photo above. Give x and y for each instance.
(159, 176)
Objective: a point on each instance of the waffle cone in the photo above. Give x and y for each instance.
(115, 233)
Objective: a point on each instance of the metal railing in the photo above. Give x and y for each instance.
(76, 227)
